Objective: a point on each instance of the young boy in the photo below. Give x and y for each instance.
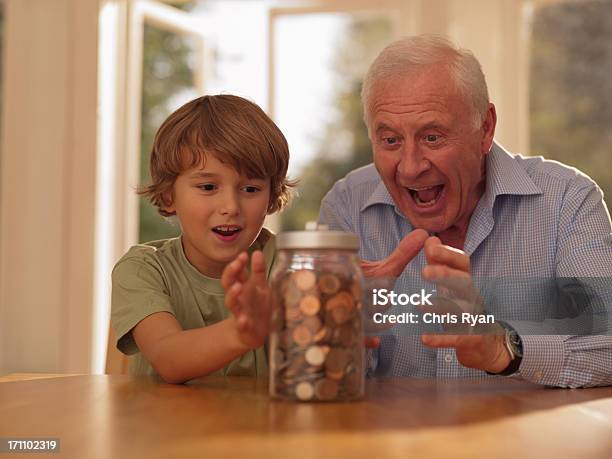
(219, 164)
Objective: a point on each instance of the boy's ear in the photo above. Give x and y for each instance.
(168, 201)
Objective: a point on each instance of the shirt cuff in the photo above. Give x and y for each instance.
(543, 358)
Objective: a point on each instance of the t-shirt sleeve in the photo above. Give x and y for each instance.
(139, 290)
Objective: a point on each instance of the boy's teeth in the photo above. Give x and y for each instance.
(226, 229)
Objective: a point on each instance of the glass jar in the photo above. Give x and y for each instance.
(317, 347)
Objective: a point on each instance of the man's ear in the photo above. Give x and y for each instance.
(488, 129)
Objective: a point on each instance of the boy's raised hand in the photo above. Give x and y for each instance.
(248, 297)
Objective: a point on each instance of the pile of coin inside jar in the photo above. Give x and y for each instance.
(316, 345)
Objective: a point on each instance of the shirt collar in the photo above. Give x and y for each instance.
(504, 176)
(380, 196)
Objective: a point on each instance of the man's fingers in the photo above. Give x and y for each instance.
(439, 254)
(431, 243)
(394, 264)
(440, 340)
(407, 249)
(372, 341)
(451, 282)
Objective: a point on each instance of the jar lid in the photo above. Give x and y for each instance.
(317, 236)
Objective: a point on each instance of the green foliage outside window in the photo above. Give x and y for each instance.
(571, 88)
(166, 73)
(362, 42)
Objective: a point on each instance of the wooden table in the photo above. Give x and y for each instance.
(121, 416)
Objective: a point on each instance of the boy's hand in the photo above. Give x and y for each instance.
(248, 297)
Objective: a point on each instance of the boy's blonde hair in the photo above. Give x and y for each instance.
(232, 129)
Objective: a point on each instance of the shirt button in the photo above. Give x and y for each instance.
(448, 358)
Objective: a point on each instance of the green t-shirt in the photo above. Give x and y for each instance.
(157, 277)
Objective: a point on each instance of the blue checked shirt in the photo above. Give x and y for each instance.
(536, 219)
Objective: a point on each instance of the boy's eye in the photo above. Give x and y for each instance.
(251, 189)
(207, 187)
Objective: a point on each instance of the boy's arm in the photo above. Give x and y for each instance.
(179, 355)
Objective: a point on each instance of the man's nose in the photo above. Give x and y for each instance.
(229, 204)
(412, 161)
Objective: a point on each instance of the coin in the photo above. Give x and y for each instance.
(304, 279)
(292, 296)
(295, 367)
(293, 314)
(335, 375)
(301, 335)
(346, 335)
(315, 356)
(313, 323)
(322, 335)
(304, 390)
(310, 305)
(340, 314)
(342, 299)
(329, 284)
(336, 359)
(326, 389)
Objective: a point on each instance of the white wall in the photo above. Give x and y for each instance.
(48, 184)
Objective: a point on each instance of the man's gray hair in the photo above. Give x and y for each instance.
(409, 55)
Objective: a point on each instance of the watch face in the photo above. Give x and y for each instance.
(514, 340)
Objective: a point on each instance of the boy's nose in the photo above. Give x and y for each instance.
(229, 205)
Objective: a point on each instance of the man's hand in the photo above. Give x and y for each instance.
(392, 266)
(449, 269)
(248, 297)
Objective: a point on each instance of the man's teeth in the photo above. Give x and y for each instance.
(426, 196)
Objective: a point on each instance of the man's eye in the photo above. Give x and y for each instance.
(432, 138)
(207, 187)
(251, 189)
(390, 140)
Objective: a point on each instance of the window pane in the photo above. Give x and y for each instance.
(320, 62)
(571, 88)
(167, 83)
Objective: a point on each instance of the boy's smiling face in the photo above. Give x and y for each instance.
(220, 211)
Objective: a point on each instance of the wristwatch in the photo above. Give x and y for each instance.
(514, 345)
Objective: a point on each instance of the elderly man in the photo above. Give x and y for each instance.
(443, 201)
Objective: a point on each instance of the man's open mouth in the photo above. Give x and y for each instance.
(426, 196)
(227, 230)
